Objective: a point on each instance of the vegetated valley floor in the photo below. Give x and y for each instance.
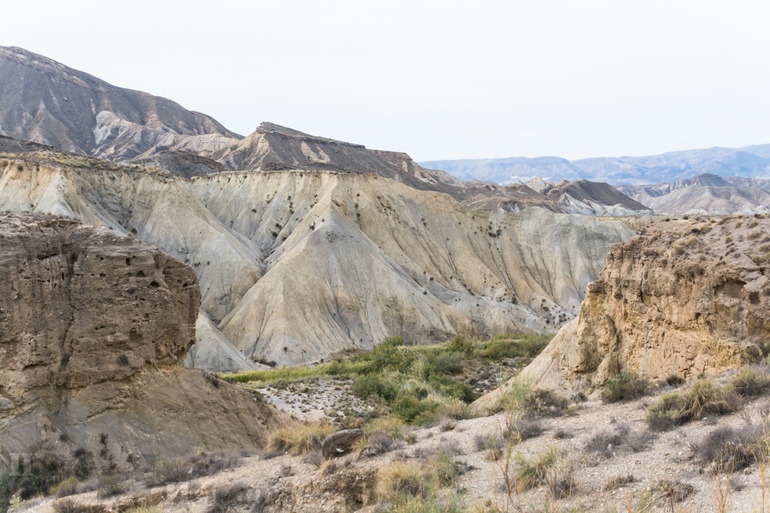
(664, 474)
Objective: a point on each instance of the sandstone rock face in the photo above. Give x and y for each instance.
(94, 329)
(685, 297)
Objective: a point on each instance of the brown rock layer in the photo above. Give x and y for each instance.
(94, 329)
(685, 297)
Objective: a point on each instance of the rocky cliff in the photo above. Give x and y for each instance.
(94, 328)
(684, 297)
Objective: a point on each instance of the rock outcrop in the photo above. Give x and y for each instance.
(684, 297)
(94, 329)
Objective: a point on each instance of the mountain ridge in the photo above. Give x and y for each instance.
(748, 161)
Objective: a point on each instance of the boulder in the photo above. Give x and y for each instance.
(341, 442)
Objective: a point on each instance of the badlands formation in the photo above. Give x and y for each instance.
(94, 329)
(296, 266)
(685, 297)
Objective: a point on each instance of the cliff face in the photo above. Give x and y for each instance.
(684, 297)
(94, 329)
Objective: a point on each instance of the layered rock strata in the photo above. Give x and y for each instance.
(94, 329)
(684, 297)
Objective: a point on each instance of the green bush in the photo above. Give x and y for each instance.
(667, 412)
(371, 385)
(460, 345)
(751, 381)
(410, 409)
(541, 402)
(703, 397)
(624, 386)
(520, 346)
(447, 362)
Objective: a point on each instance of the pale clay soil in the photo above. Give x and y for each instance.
(670, 457)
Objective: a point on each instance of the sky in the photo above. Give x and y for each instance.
(436, 79)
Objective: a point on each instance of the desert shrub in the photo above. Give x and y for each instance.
(541, 402)
(562, 433)
(730, 449)
(451, 388)
(299, 440)
(751, 381)
(534, 472)
(455, 409)
(516, 346)
(66, 487)
(618, 481)
(524, 429)
(402, 477)
(372, 385)
(446, 362)
(514, 393)
(700, 398)
(670, 492)
(379, 442)
(624, 386)
(272, 453)
(194, 466)
(68, 506)
(314, 458)
(674, 380)
(460, 345)
(227, 497)
(109, 486)
(667, 412)
(391, 426)
(619, 437)
(410, 409)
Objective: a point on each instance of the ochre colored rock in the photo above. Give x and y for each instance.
(684, 297)
(94, 329)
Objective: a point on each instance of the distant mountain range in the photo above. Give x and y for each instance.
(748, 162)
(49, 103)
(704, 194)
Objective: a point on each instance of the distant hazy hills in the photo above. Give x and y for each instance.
(46, 102)
(749, 162)
(704, 194)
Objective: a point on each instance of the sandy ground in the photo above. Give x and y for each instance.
(671, 456)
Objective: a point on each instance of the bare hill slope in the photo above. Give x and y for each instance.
(295, 266)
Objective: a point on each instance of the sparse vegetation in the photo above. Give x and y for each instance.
(409, 486)
(626, 385)
(729, 449)
(420, 384)
(619, 437)
(703, 396)
(194, 466)
(299, 439)
(751, 381)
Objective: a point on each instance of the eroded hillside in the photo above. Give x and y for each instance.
(94, 329)
(685, 297)
(295, 266)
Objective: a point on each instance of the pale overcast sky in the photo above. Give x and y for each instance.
(437, 79)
